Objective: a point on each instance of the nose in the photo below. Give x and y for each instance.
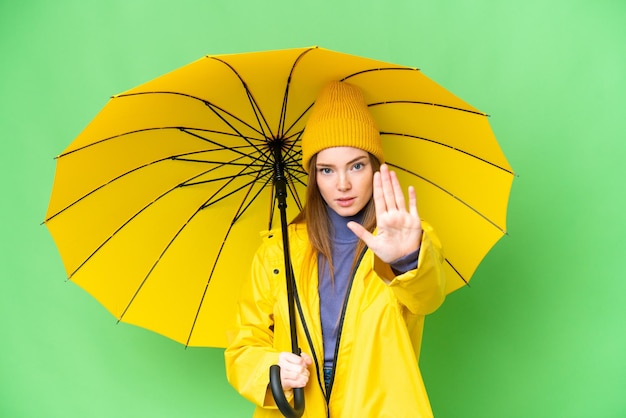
(343, 182)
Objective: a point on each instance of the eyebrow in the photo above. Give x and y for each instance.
(354, 160)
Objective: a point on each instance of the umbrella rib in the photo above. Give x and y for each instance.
(294, 164)
(185, 129)
(257, 147)
(397, 167)
(207, 103)
(428, 104)
(249, 140)
(219, 111)
(371, 70)
(450, 147)
(86, 195)
(244, 137)
(245, 208)
(165, 193)
(173, 157)
(232, 192)
(261, 120)
(230, 178)
(295, 172)
(206, 287)
(457, 272)
(260, 168)
(259, 174)
(202, 161)
(145, 279)
(273, 203)
(169, 244)
(299, 133)
(406, 101)
(238, 213)
(283, 110)
(292, 190)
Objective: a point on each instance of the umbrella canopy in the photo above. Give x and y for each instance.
(159, 204)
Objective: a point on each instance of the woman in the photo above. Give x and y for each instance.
(367, 271)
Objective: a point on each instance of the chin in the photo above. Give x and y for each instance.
(345, 212)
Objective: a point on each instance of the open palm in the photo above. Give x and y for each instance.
(399, 230)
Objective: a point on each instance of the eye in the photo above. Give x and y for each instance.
(324, 170)
(358, 166)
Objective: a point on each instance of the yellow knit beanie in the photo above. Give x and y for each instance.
(340, 118)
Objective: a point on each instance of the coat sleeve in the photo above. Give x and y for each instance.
(251, 353)
(421, 290)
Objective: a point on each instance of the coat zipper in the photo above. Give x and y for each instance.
(341, 321)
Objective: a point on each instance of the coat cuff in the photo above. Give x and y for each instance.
(406, 263)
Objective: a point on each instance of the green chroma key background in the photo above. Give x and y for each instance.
(540, 332)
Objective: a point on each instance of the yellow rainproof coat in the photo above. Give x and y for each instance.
(377, 372)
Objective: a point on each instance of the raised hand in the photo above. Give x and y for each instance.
(399, 230)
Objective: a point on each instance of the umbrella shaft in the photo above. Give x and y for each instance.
(280, 184)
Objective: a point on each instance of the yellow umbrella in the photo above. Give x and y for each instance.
(158, 205)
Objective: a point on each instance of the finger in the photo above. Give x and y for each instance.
(308, 360)
(288, 357)
(387, 187)
(413, 202)
(289, 384)
(294, 378)
(294, 372)
(361, 232)
(291, 381)
(291, 368)
(397, 191)
(379, 199)
(291, 362)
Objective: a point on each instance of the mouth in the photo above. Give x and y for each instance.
(345, 201)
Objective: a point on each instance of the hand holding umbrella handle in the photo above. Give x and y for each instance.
(281, 400)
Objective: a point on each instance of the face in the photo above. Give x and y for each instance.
(344, 178)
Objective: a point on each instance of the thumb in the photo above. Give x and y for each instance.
(307, 359)
(360, 232)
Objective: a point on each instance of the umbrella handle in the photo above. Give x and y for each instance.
(281, 400)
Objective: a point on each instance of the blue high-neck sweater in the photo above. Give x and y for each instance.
(333, 294)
